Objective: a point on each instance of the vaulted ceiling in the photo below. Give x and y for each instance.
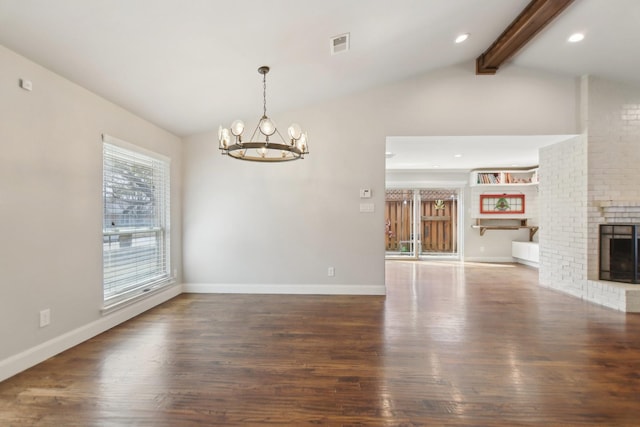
(189, 65)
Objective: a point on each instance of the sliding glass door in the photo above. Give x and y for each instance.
(399, 225)
(421, 222)
(439, 221)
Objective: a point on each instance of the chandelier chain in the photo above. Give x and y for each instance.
(264, 95)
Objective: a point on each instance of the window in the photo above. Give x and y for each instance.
(135, 237)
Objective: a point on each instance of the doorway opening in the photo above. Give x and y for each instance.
(422, 223)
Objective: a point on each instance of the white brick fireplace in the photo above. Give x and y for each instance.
(620, 212)
(587, 181)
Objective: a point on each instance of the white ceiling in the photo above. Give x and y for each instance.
(611, 47)
(190, 65)
(466, 152)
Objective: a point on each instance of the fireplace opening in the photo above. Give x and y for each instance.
(619, 253)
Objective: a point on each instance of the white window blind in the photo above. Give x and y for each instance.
(135, 227)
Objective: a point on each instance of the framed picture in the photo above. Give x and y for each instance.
(502, 203)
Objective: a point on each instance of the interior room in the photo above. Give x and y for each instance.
(335, 212)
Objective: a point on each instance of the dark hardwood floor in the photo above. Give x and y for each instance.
(451, 344)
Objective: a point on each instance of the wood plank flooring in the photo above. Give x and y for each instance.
(450, 345)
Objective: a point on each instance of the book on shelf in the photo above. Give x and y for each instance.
(513, 177)
(488, 178)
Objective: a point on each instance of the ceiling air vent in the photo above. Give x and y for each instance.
(339, 44)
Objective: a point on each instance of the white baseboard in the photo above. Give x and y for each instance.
(489, 259)
(31, 357)
(218, 288)
(526, 262)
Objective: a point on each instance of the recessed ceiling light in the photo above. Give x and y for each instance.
(462, 37)
(457, 156)
(436, 166)
(576, 37)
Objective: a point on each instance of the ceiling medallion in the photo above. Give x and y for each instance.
(262, 147)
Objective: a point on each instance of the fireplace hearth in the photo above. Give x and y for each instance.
(619, 253)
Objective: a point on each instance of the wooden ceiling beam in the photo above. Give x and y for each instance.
(537, 15)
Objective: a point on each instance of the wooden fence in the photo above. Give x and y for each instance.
(439, 219)
(438, 225)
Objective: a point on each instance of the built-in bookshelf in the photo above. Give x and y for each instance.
(505, 177)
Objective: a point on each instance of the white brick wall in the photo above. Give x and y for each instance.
(587, 181)
(563, 216)
(614, 155)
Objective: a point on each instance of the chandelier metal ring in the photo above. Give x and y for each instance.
(260, 147)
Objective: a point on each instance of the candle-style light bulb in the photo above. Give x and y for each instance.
(237, 127)
(266, 126)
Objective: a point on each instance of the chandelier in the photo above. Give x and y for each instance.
(266, 144)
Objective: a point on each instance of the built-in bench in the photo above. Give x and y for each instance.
(527, 253)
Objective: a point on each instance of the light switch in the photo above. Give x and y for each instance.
(366, 207)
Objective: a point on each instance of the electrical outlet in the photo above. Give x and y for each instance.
(331, 272)
(45, 317)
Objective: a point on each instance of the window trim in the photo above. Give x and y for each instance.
(153, 286)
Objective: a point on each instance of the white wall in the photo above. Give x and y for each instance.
(252, 226)
(427, 178)
(495, 245)
(51, 208)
